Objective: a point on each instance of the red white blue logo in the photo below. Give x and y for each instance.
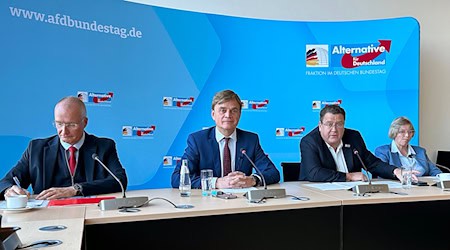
(255, 104)
(358, 55)
(138, 131)
(178, 102)
(318, 105)
(289, 132)
(95, 98)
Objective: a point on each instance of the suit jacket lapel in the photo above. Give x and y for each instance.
(348, 155)
(215, 152)
(239, 145)
(49, 161)
(395, 159)
(88, 149)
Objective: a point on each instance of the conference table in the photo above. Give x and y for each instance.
(405, 219)
(215, 223)
(415, 218)
(33, 221)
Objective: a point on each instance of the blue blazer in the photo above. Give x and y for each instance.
(423, 164)
(203, 152)
(40, 167)
(318, 164)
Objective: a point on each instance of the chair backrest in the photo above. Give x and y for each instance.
(443, 158)
(291, 171)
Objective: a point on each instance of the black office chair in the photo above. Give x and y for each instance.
(291, 171)
(443, 158)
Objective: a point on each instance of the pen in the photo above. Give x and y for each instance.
(16, 180)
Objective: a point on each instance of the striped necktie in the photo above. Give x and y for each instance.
(226, 158)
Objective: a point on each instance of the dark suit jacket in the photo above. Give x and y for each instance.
(40, 167)
(318, 163)
(203, 152)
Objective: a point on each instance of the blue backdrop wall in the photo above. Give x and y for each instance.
(148, 74)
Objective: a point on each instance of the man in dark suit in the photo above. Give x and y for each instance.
(207, 149)
(62, 165)
(328, 152)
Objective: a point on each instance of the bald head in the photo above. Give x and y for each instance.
(70, 119)
(72, 103)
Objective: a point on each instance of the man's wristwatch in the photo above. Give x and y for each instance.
(79, 189)
(256, 180)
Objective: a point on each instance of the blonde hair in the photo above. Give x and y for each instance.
(396, 124)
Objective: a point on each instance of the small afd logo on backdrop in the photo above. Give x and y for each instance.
(255, 104)
(178, 102)
(171, 161)
(289, 132)
(138, 131)
(95, 98)
(318, 105)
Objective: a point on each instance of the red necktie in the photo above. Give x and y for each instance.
(72, 159)
(226, 158)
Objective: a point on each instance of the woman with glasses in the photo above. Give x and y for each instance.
(400, 153)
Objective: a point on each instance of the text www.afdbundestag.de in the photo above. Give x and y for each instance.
(67, 21)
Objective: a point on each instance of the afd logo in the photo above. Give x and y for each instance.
(95, 98)
(356, 55)
(318, 105)
(255, 104)
(178, 102)
(317, 56)
(171, 161)
(289, 132)
(138, 131)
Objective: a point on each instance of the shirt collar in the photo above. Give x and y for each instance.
(394, 149)
(77, 145)
(220, 136)
(338, 148)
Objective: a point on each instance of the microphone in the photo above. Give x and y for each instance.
(258, 195)
(118, 203)
(442, 184)
(368, 188)
(412, 156)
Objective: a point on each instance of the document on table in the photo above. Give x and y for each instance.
(348, 185)
(37, 203)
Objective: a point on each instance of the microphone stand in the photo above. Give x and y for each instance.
(368, 188)
(445, 185)
(119, 203)
(256, 196)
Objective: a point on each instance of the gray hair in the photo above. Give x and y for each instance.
(396, 124)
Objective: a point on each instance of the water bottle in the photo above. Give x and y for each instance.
(185, 180)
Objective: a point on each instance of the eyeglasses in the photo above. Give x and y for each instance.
(336, 124)
(69, 125)
(403, 132)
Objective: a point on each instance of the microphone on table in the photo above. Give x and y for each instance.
(368, 188)
(444, 184)
(412, 156)
(118, 203)
(260, 194)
